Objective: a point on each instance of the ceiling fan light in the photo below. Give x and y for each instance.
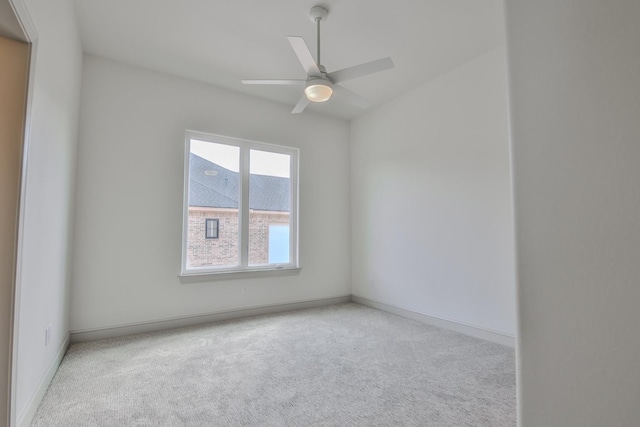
(318, 91)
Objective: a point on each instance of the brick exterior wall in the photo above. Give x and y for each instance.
(223, 251)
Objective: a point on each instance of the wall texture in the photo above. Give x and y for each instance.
(431, 199)
(49, 197)
(131, 159)
(575, 96)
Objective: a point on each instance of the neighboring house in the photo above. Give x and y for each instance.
(213, 216)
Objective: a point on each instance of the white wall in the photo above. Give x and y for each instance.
(575, 90)
(130, 185)
(48, 206)
(431, 199)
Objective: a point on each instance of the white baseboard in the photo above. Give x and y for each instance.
(474, 331)
(178, 322)
(26, 417)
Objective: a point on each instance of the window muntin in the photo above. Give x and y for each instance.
(211, 228)
(251, 189)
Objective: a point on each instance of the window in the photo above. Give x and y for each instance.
(211, 228)
(278, 243)
(244, 195)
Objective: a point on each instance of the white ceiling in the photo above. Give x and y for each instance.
(221, 42)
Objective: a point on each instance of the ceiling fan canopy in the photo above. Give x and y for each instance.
(319, 85)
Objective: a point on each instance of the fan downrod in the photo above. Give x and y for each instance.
(317, 15)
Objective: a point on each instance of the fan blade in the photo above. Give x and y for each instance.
(274, 82)
(300, 106)
(360, 70)
(352, 97)
(304, 55)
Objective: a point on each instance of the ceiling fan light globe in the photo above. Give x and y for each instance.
(318, 92)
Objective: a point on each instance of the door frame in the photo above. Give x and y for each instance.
(31, 37)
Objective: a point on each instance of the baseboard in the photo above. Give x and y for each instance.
(474, 331)
(178, 322)
(26, 417)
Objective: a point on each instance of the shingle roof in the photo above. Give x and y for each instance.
(211, 185)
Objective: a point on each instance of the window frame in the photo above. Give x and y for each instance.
(215, 221)
(244, 146)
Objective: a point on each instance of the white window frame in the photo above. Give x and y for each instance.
(243, 207)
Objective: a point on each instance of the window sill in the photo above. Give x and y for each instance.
(208, 276)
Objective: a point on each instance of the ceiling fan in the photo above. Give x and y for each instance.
(319, 85)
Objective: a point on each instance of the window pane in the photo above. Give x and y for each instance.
(269, 204)
(212, 228)
(278, 243)
(213, 192)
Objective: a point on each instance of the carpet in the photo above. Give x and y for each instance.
(341, 365)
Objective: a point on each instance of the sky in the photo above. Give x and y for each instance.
(227, 156)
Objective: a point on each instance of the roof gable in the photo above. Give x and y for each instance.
(211, 185)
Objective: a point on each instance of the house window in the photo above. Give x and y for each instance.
(246, 194)
(211, 228)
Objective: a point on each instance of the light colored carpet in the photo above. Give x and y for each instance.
(342, 365)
